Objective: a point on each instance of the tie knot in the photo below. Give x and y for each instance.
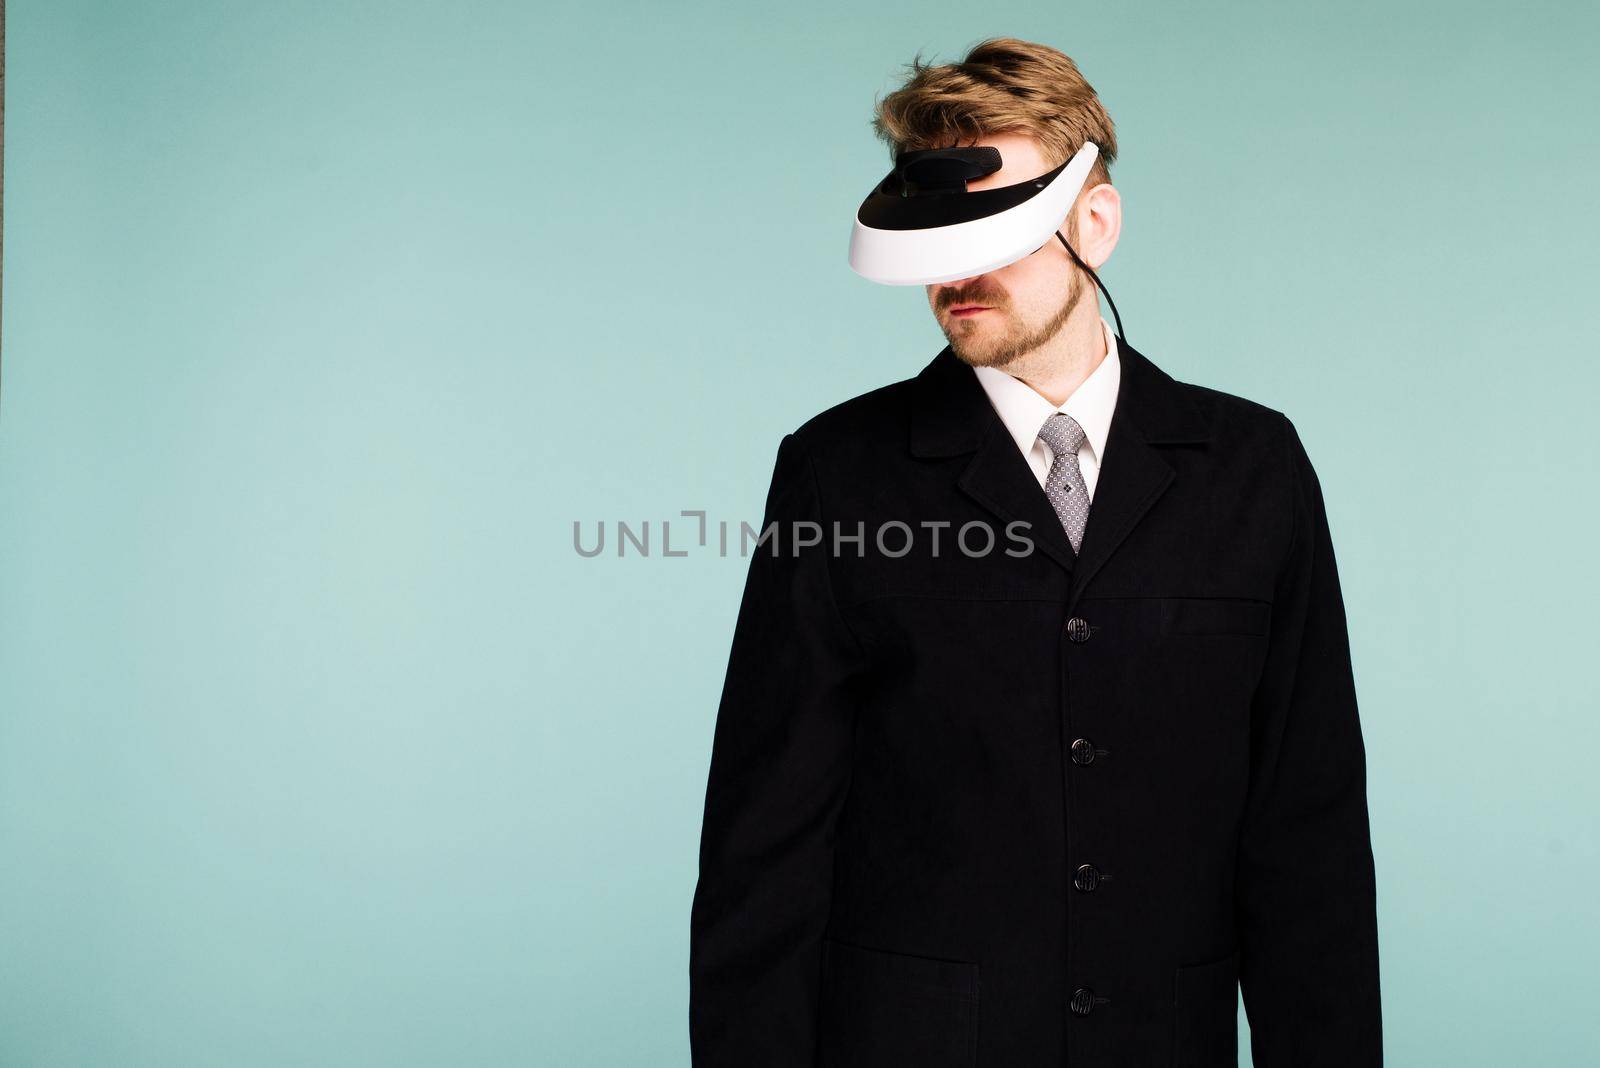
(1063, 434)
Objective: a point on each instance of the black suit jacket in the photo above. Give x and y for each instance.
(1038, 808)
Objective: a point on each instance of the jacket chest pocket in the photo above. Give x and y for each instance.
(879, 1008)
(1206, 1006)
(1215, 615)
(1209, 658)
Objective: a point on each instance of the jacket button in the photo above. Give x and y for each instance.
(1082, 751)
(1082, 1000)
(1078, 629)
(1086, 878)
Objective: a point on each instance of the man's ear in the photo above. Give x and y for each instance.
(1099, 223)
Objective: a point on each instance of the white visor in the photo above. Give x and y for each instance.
(910, 232)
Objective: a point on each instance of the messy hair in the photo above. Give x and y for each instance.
(1004, 85)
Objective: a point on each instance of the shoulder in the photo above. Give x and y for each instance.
(1249, 426)
(1264, 440)
(867, 422)
(853, 442)
(1233, 416)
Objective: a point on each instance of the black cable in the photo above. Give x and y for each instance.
(1120, 335)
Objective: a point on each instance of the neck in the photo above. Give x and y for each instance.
(1059, 366)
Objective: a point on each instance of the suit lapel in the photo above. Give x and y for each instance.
(1152, 412)
(952, 416)
(1133, 474)
(1000, 479)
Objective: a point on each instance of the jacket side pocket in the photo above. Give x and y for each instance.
(882, 1008)
(1205, 1004)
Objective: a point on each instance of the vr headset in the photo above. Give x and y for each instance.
(920, 225)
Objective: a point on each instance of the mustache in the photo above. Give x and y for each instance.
(949, 299)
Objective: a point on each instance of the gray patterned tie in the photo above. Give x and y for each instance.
(1064, 484)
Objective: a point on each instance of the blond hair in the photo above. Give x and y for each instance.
(1004, 85)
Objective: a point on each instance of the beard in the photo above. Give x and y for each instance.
(995, 345)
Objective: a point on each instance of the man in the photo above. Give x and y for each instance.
(1052, 803)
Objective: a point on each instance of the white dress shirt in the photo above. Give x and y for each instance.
(1024, 411)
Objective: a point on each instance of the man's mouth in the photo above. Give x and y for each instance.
(962, 311)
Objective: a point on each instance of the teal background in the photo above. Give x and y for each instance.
(323, 323)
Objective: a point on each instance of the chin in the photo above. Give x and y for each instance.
(978, 355)
(978, 344)
(979, 348)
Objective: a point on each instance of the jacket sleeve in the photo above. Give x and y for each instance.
(1305, 891)
(780, 767)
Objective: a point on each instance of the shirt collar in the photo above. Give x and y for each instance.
(1023, 411)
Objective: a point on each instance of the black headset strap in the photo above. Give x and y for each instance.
(1097, 282)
